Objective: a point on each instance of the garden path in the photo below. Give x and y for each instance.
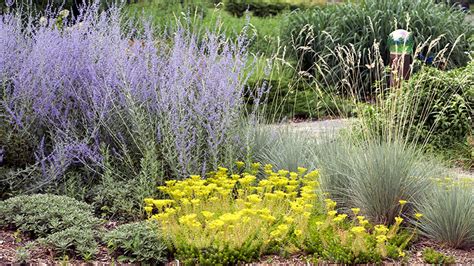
(320, 127)
(331, 126)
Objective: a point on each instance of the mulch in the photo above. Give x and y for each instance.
(10, 242)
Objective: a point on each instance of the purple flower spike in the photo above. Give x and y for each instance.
(90, 85)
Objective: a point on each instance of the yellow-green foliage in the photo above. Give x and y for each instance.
(432, 256)
(234, 217)
(235, 212)
(350, 238)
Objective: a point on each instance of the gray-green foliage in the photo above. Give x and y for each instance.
(17, 144)
(137, 242)
(436, 106)
(316, 34)
(120, 197)
(448, 213)
(283, 147)
(73, 241)
(370, 175)
(45, 214)
(374, 176)
(65, 225)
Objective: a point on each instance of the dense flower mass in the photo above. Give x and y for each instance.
(235, 210)
(76, 85)
(234, 216)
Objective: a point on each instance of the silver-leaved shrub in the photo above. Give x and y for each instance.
(161, 104)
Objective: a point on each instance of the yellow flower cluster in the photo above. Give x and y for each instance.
(229, 208)
(353, 232)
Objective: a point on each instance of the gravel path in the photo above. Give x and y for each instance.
(332, 126)
(319, 128)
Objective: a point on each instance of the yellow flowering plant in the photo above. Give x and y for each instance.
(227, 218)
(340, 238)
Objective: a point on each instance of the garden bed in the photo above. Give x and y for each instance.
(10, 242)
(123, 142)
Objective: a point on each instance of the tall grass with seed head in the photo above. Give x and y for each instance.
(381, 159)
(384, 160)
(406, 113)
(315, 34)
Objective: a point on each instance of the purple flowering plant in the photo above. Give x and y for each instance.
(84, 84)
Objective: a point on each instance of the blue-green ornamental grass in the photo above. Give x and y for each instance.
(374, 176)
(448, 213)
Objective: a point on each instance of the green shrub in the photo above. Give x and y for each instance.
(16, 146)
(73, 241)
(316, 34)
(432, 256)
(42, 214)
(448, 213)
(287, 99)
(436, 107)
(309, 104)
(137, 242)
(115, 199)
(291, 95)
(258, 8)
(460, 155)
(119, 197)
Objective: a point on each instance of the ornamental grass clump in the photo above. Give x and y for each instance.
(282, 147)
(374, 176)
(234, 217)
(164, 103)
(448, 213)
